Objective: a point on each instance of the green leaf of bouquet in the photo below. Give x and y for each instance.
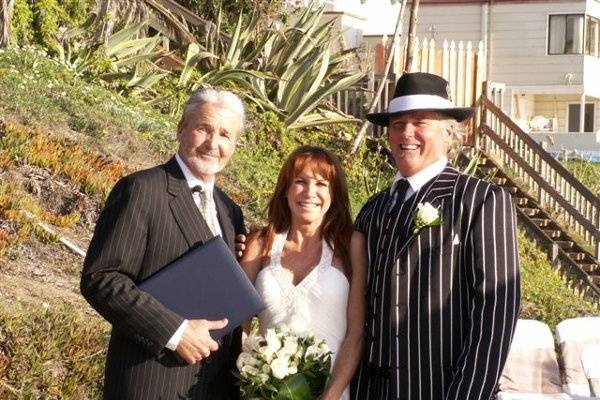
(294, 387)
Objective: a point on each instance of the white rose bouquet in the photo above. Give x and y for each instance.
(283, 365)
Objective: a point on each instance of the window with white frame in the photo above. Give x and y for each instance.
(588, 118)
(592, 36)
(565, 34)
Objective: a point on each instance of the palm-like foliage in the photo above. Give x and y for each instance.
(124, 58)
(290, 71)
(111, 13)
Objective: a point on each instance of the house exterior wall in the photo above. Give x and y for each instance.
(593, 8)
(556, 106)
(439, 22)
(591, 64)
(518, 45)
(448, 22)
(517, 52)
(350, 27)
(591, 68)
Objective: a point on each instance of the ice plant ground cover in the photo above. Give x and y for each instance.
(283, 365)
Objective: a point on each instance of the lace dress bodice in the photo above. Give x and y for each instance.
(317, 304)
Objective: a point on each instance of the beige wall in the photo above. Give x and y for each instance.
(518, 45)
(450, 22)
(592, 76)
(556, 106)
(441, 22)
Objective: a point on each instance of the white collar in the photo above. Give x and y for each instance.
(191, 179)
(418, 180)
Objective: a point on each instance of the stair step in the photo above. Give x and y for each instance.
(521, 201)
(541, 222)
(595, 279)
(553, 233)
(564, 244)
(577, 256)
(590, 267)
(512, 189)
(484, 161)
(488, 170)
(498, 181)
(530, 212)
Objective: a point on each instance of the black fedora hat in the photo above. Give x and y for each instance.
(420, 91)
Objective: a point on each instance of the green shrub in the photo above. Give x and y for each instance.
(22, 29)
(50, 351)
(39, 21)
(545, 296)
(38, 90)
(587, 172)
(47, 17)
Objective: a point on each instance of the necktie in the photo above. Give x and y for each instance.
(400, 193)
(205, 208)
(401, 210)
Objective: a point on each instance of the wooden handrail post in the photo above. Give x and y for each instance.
(598, 238)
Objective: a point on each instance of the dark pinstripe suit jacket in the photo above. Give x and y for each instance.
(149, 220)
(443, 303)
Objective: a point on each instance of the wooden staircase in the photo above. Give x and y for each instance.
(558, 212)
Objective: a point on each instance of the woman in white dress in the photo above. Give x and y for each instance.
(308, 264)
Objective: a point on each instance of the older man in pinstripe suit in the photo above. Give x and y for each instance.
(151, 218)
(443, 293)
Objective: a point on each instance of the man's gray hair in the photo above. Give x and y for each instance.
(224, 98)
(458, 133)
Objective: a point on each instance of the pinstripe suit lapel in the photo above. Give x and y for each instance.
(182, 205)
(442, 187)
(225, 219)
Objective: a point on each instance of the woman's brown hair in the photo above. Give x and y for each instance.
(337, 225)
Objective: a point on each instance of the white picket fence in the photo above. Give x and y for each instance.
(463, 64)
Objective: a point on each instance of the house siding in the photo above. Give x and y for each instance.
(519, 45)
(442, 22)
(448, 22)
(556, 106)
(592, 76)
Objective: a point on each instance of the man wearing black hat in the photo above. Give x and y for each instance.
(443, 281)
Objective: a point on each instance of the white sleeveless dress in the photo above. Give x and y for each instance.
(318, 304)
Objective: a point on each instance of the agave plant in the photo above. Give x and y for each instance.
(124, 57)
(217, 61)
(289, 71)
(111, 13)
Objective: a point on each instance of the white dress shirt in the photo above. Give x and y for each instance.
(209, 187)
(418, 180)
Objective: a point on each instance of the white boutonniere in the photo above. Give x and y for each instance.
(426, 215)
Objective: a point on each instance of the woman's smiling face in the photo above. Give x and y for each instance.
(309, 197)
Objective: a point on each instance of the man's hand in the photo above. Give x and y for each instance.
(196, 343)
(240, 245)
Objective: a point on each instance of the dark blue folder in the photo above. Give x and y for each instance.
(207, 282)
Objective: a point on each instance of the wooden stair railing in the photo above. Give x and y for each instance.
(572, 205)
(578, 267)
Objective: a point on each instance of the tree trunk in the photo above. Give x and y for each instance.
(363, 128)
(412, 28)
(7, 8)
(105, 21)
